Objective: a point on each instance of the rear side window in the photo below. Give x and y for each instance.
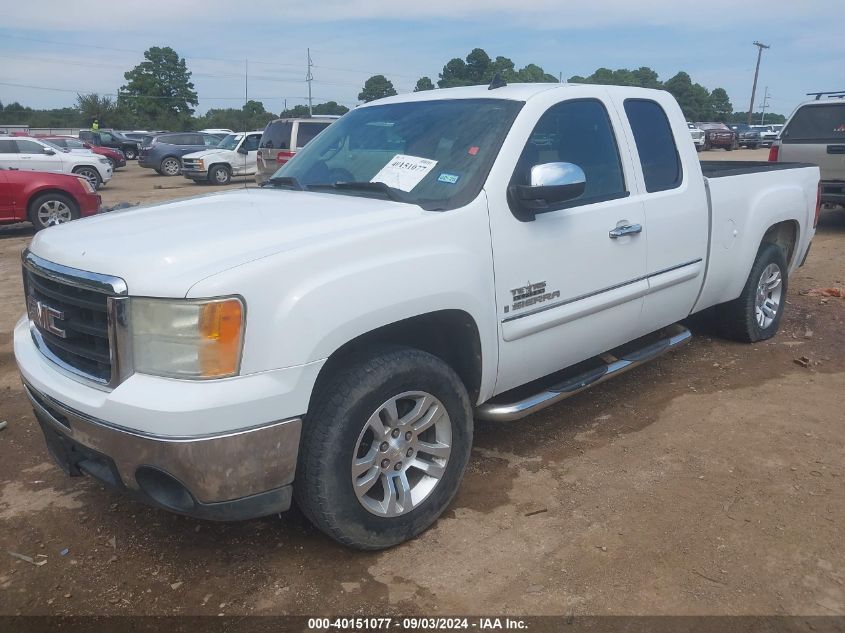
(277, 135)
(816, 124)
(251, 142)
(7, 146)
(308, 131)
(655, 145)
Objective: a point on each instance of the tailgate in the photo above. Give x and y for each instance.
(830, 157)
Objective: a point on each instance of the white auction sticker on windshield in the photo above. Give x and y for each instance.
(404, 172)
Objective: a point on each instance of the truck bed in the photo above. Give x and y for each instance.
(722, 168)
(742, 208)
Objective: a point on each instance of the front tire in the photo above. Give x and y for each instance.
(170, 166)
(91, 175)
(755, 315)
(130, 153)
(51, 209)
(383, 448)
(219, 175)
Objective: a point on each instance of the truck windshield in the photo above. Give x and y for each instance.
(230, 141)
(435, 154)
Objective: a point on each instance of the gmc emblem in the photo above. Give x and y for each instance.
(45, 317)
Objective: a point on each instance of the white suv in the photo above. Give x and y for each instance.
(31, 154)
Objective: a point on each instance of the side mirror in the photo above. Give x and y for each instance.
(243, 150)
(49, 152)
(551, 183)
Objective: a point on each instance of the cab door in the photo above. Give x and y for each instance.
(569, 284)
(250, 158)
(34, 157)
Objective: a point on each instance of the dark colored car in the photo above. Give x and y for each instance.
(110, 138)
(164, 152)
(718, 135)
(115, 156)
(746, 136)
(45, 199)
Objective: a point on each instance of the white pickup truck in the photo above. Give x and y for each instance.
(235, 155)
(428, 259)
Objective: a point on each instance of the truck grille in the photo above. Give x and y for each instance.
(71, 317)
(72, 322)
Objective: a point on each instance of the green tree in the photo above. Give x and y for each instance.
(376, 87)
(532, 73)
(721, 104)
(159, 91)
(694, 99)
(479, 67)
(301, 111)
(93, 106)
(454, 74)
(423, 83)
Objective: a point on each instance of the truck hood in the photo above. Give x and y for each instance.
(205, 153)
(165, 249)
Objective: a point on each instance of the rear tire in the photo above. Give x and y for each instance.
(365, 474)
(90, 174)
(755, 315)
(170, 166)
(51, 209)
(219, 175)
(130, 153)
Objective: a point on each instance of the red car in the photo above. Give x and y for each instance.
(115, 156)
(45, 199)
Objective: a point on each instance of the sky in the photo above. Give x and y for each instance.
(52, 49)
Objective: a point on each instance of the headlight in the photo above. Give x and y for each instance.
(184, 338)
(201, 163)
(105, 161)
(86, 184)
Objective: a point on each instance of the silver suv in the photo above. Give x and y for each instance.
(281, 140)
(815, 133)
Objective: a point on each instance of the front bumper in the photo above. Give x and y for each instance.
(226, 477)
(194, 174)
(222, 450)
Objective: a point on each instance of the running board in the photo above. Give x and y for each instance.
(618, 361)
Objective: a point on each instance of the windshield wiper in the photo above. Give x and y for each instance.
(284, 181)
(377, 187)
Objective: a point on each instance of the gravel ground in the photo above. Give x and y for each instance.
(707, 482)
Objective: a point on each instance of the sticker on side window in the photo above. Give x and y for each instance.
(404, 172)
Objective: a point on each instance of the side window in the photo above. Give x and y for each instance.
(207, 140)
(86, 136)
(105, 137)
(308, 131)
(251, 142)
(578, 132)
(29, 147)
(7, 146)
(655, 145)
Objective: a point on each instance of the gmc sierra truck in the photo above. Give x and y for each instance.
(431, 258)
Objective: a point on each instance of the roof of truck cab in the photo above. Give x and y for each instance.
(514, 92)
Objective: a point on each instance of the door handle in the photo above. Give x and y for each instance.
(625, 229)
(836, 149)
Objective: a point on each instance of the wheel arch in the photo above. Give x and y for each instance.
(451, 335)
(34, 195)
(784, 234)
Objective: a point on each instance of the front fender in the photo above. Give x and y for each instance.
(304, 304)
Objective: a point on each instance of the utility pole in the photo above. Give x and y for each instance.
(760, 48)
(309, 78)
(765, 104)
(246, 81)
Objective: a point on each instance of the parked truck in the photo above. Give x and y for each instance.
(429, 259)
(235, 155)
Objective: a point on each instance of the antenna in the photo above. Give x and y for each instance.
(309, 77)
(497, 82)
(760, 48)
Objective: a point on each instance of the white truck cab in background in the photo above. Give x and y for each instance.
(426, 260)
(235, 155)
